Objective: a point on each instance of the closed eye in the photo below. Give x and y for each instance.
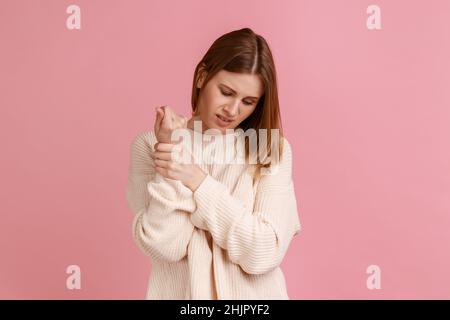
(227, 94)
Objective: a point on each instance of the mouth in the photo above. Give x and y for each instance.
(223, 121)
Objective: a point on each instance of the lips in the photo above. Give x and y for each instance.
(224, 118)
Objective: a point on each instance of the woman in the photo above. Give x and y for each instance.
(217, 230)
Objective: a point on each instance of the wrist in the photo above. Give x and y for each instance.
(197, 180)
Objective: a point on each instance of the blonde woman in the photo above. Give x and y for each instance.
(217, 229)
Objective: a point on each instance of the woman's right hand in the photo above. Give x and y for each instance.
(166, 122)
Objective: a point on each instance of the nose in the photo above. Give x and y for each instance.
(232, 109)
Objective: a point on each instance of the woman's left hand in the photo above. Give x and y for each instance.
(169, 166)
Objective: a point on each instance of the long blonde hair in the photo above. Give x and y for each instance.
(244, 51)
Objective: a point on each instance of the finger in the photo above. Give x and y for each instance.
(166, 121)
(165, 173)
(173, 118)
(161, 163)
(166, 147)
(169, 165)
(159, 116)
(159, 111)
(162, 155)
(167, 111)
(162, 172)
(180, 121)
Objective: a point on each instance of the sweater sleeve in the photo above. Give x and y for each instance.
(162, 207)
(256, 239)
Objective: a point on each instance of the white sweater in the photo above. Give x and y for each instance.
(226, 240)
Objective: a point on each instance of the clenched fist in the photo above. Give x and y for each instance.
(190, 174)
(167, 121)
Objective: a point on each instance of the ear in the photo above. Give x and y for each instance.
(201, 75)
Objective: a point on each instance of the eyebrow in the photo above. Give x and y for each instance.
(256, 98)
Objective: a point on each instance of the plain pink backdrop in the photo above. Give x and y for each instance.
(367, 114)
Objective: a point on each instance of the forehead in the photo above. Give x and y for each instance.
(247, 85)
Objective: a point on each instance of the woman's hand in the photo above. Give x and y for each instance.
(166, 122)
(175, 162)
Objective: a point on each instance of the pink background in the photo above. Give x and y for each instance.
(367, 114)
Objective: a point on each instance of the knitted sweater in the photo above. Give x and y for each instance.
(224, 241)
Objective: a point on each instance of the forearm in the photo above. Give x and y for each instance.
(256, 240)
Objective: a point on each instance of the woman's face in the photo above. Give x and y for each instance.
(227, 100)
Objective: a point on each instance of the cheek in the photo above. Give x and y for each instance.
(212, 101)
(247, 111)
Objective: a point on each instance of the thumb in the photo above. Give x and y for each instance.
(158, 120)
(161, 114)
